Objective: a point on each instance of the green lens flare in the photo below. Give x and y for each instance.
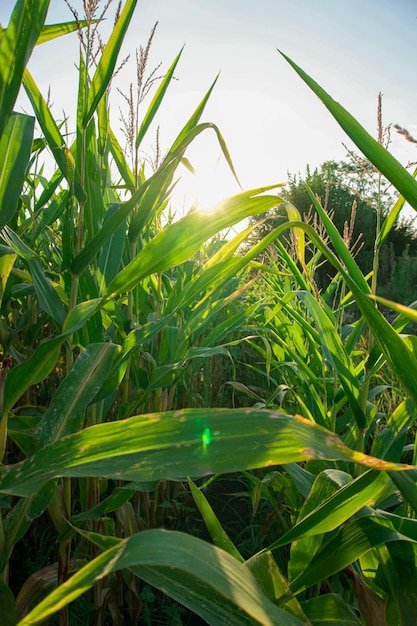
(206, 437)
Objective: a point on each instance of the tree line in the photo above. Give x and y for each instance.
(352, 192)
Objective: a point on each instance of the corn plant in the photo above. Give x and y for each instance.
(334, 375)
(104, 305)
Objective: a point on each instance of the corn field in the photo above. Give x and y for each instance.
(149, 366)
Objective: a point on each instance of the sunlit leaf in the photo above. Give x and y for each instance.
(374, 151)
(15, 148)
(108, 59)
(179, 241)
(156, 101)
(174, 445)
(16, 46)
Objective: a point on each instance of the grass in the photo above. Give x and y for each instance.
(197, 432)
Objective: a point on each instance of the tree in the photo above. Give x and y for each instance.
(350, 194)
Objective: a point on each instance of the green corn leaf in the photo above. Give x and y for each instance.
(405, 525)
(402, 576)
(52, 31)
(15, 149)
(16, 46)
(391, 219)
(273, 583)
(407, 485)
(352, 540)
(116, 219)
(394, 347)
(329, 610)
(18, 521)
(339, 245)
(7, 259)
(187, 137)
(335, 354)
(158, 192)
(179, 241)
(155, 198)
(377, 154)
(94, 210)
(90, 371)
(406, 311)
(389, 442)
(107, 63)
(156, 101)
(298, 235)
(336, 509)
(49, 190)
(202, 577)
(80, 315)
(56, 143)
(22, 376)
(220, 268)
(191, 442)
(30, 372)
(147, 198)
(118, 155)
(8, 605)
(47, 296)
(218, 535)
(193, 121)
(113, 502)
(111, 255)
(398, 354)
(103, 125)
(327, 483)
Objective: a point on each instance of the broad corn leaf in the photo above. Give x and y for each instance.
(56, 143)
(330, 610)
(336, 509)
(207, 580)
(353, 539)
(30, 372)
(90, 371)
(179, 241)
(16, 46)
(47, 296)
(335, 355)
(175, 445)
(15, 149)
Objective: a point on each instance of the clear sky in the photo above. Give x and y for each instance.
(270, 120)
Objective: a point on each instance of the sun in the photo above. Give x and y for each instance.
(210, 181)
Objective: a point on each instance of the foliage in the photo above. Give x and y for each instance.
(117, 322)
(351, 197)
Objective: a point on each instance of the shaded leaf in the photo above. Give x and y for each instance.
(207, 580)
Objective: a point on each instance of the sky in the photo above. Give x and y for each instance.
(272, 123)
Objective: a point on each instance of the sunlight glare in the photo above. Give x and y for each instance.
(211, 182)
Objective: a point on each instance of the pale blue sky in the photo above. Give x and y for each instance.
(271, 122)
